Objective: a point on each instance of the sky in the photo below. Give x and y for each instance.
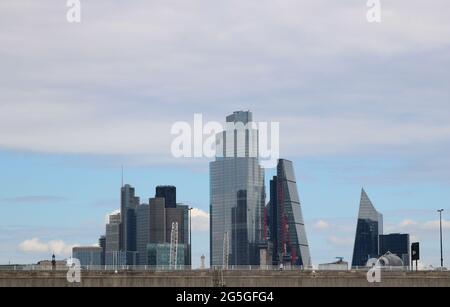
(359, 104)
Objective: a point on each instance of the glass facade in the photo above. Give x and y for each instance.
(237, 196)
(286, 223)
(113, 238)
(142, 232)
(169, 193)
(88, 256)
(397, 244)
(159, 255)
(129, 203)
(368, 229)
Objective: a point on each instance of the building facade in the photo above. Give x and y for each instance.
(398, 244)
(102, 244)
(368, 230)
(88, 255)
(112, 240)
(129, 204)
(285, 223)
(237, 195)
(169, 193)
(142, 232)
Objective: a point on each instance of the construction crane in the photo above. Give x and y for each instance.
(173, 246)
(226, 247)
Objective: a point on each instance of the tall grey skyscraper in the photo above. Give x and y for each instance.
(368, 229)
(286, 223)
(129, 203)
(142, 232)
(161, 218)
(237, 194)
(113, 254)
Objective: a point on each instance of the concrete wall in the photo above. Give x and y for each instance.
(228, 278)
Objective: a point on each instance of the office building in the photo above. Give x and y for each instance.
(88, 255)
(397, 244)
(169, 193)
(159, 256)
(285, 223)
(112, 241)
(102, 244)
(237, 195)
(142, 232)
(368, 229)
(129, 203)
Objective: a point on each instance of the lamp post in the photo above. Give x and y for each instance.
(440, 230)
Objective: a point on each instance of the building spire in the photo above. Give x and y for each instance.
(122, 175)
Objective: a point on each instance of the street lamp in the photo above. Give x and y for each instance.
(440, 228)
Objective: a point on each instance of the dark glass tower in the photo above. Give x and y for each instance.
(129, 204)
(169, 193)
(285, 219)
(368, 229)
(398, 244)
(102, 244)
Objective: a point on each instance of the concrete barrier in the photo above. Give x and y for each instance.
(209, 278)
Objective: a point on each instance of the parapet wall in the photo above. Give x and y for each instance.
(223, 278)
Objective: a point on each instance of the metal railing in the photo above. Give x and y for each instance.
(148, 268)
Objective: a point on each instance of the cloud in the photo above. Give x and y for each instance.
(200, 220)
(58, 247)
(321, 225)
(435, 225)
(370, 89)
(408, 223)
(42, 199)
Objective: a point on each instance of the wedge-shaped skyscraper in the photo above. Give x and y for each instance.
(368, 229)
(285, 219)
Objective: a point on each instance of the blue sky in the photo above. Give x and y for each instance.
(359, 104)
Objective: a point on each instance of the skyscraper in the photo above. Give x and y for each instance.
(142, 232)
(102, 244)
(368, 229)
(113, 254)
(237, 194)
(129, 203)
(169, 193)
(285, 220)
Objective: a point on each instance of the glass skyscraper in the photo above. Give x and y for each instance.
(129, 204)
(237, 195)
(368, 229)
(286, 223)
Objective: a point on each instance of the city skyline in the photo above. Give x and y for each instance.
(130, 200)
(360, 105)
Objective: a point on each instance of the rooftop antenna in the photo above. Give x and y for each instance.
(122, 175)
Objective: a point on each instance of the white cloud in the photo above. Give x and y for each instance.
(321, 225)
(408, 223)
(59, 247)
(435, 225)
(349, 88)
(200, 220)
(412, 225)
